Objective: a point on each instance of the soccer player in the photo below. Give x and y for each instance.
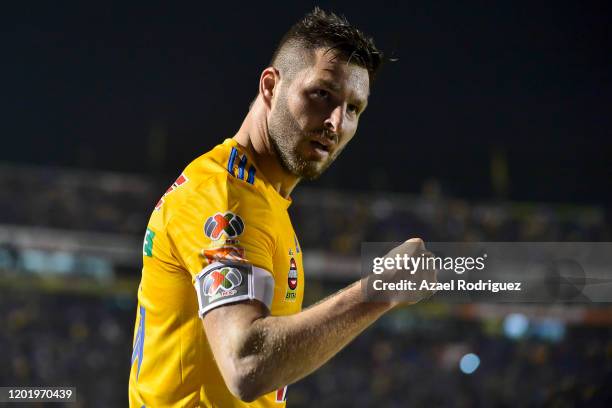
(239, 338)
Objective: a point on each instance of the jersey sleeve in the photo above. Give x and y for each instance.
(223, 234)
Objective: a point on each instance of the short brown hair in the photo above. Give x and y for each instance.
(322, 29)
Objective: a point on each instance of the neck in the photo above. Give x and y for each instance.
(253, 135)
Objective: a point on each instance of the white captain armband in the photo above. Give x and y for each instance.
(222, 283)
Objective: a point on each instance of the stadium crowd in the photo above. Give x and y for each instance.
(328, 220)
(83, 340)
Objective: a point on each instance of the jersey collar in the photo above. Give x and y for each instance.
(284, 202)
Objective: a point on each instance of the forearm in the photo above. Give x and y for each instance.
(280, 350)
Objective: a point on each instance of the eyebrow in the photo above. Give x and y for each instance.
(334, 86)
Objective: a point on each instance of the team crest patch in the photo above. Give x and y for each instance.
(292, 281)
(221, 283)
(228, 224)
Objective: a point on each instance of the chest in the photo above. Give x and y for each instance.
(288, 272)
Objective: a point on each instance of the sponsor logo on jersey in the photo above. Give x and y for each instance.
(228, 224)
(222, 282)
(182, 179)
(292, 281)
(224, 253)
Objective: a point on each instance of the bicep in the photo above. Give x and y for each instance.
(227, 327)
(228, 330)
(231, 297)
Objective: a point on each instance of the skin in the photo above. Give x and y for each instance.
(322, 102)
(258, 353)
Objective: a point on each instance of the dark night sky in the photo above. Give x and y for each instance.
(89, 84)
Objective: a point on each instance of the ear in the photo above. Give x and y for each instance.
(269, 80)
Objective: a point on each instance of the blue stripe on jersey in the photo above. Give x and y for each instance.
(251, 178)
(232, 159)
(241, 166)
(139, 342)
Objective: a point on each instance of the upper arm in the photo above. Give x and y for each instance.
(228, 330)
(231, 297)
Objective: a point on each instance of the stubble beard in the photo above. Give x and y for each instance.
(285, 136)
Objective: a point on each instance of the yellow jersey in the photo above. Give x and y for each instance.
(220, 234)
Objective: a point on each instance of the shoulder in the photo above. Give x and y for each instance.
(219, 182)
(225, 173)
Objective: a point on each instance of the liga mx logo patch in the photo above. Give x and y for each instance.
(229, 224)
(222, 283)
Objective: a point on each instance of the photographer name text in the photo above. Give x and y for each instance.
(459, 284)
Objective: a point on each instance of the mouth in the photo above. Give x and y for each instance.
(320, 149)
(319, 145)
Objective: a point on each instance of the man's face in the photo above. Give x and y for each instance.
(315, 115)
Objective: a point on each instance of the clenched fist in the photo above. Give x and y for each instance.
(402, 276)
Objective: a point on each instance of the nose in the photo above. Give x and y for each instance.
(335, 120)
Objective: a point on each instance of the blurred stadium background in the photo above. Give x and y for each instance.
(494, 125)
(70, 247)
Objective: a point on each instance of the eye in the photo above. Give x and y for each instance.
(321, 93)
(352, 108)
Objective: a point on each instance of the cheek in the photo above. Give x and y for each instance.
(295, 109)
(307, 113)
(348, 132)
